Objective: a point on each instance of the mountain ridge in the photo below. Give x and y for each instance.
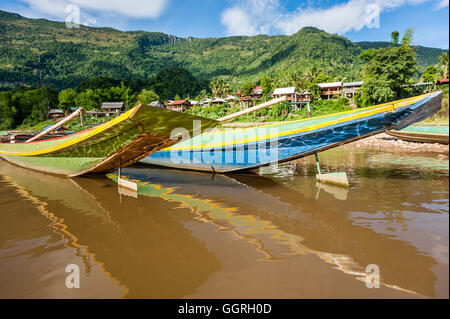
(69, 56)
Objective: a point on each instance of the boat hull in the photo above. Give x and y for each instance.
(122, 141)
(423, 134)
(255, 147)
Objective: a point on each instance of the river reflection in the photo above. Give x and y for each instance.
(188, 234)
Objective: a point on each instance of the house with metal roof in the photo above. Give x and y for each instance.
(349, 88)
(292, 95)
(110, 108)
(179, 106)
(330, 89)
(157, 104)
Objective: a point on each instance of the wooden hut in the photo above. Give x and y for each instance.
(110, 108)
(55, 113)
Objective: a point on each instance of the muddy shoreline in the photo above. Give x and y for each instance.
(392, 144)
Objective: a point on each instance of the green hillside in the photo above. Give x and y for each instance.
(425, 56)
(69, 56)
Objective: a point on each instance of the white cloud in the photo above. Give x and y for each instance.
(268, 15)
(128, 8)
(250, 17)
(237, 21)
(442, 4)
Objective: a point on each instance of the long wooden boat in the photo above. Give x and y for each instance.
(126, 139)
(237, 149)
(423, 133)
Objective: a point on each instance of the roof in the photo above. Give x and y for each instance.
(55, 111)
(357, 83)
(49, 126)
(329, 84)
(417, 84)
(230, 97)
(305, 92)
(156, 104)
(217, 99)
(289, 90)
(112, 105)
(178, 102)
(442, 81)
(193, 102)
(258, 90)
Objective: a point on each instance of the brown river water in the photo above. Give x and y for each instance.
(197, 235)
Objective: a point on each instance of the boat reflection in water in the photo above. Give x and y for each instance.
(190, 234)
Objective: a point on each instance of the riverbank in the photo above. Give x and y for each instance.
(390, 143)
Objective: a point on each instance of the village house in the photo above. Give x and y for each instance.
(205, 102)
(110, 108)
(349, 89)
(305, 96)
(328, 90)
(179, 106)
(168, 103)
(289, 92)
(442, 81)
(292, 95)
(257, 93)
(55, 113)
(230, 98)
(218, 101)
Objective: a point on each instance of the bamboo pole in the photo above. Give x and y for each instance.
(253, 109)
(62, 122)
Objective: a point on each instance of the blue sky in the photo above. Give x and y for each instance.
(359, 20)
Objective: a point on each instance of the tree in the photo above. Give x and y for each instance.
(429, 75)
(387, 71)
(66, 99)
(247, 88)
(408, 37)
(267, 83)
(148, 96)
(219, 87)
(89, 99)
(394, 38)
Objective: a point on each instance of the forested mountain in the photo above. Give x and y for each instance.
(68, 56)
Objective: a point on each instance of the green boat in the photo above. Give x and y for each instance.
(423, 133)
(120, 142)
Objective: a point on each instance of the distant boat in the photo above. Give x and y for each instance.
(423, 133)
(125, 140)
(238, 149)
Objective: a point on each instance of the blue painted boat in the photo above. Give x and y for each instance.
(226, 150)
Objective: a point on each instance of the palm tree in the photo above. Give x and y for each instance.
(311, 73)
(394, 38)
(219, 87)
